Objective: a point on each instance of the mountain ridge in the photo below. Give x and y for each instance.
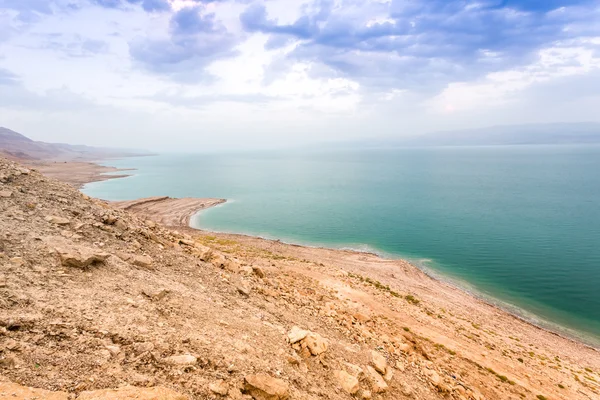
(17, 146)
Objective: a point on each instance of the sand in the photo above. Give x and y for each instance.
(166, 210)
(76, 173)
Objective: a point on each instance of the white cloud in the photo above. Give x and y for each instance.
(498, 88)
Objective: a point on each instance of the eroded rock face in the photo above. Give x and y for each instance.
(80, 256)
(265, 387)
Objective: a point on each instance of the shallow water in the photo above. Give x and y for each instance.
(518, 223)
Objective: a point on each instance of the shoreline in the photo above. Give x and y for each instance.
(512, 310)
(77, 173)
(178, 213)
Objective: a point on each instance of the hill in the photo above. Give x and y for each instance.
(99, 303)
(14, 145)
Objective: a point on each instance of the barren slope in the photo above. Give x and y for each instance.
(95, 298)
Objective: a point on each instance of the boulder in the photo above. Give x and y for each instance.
(243, 290)
(80, 256)
(297, 334)
(132, 393)
(433, 377)
(265, 387)
(219, 387)
(143, 347)
(5, 193)
(377, 383)
(185, 359)
(378, 361)
(258, 271)
(57, 220)
(141, 261)
(315, 343)
(348, 382)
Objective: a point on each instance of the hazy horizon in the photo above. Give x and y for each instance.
(196, 75)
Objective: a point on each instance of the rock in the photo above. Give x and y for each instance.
(377, 383)
(219, 387)
(433, 377)
(297, 334)
(141, 261)
(218, 260)
(378, 361)
(187, 242)
(354, 370)
(366, 395)
(231, 265)
(120, 224)
(23, 171)
(132, 393)
(13, 391)
(258, 271)
(389, 374)
(348, 382)
(204, 253)
(5, 193)
(315, 343)
(17, 261)
(80, 256)
(114, 350)
(143, 347)
(155, 294)
(57, 220)
(150, 224)
(265, 387)
(361, 317)
(243, 290)
(12, 345)
(185, 359)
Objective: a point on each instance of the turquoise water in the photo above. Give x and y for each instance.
(520, 224)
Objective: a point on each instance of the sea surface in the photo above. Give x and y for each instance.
(518, 225)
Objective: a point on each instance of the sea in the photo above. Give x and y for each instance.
(516, 225)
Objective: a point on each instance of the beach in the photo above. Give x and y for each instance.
(77, 173)
(472, 339)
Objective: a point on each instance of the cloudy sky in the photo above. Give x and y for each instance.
(205, 74)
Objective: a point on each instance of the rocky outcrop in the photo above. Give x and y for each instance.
(80, 256)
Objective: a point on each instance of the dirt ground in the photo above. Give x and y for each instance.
(100, 303)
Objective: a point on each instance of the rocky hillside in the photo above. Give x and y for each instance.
(15, 146)
(97, 303)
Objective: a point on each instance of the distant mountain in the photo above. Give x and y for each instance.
(15, 145)
(532, 134)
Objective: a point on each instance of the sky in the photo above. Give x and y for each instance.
(191, 75)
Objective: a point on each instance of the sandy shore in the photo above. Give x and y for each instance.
(166, 210)
(76, 173)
